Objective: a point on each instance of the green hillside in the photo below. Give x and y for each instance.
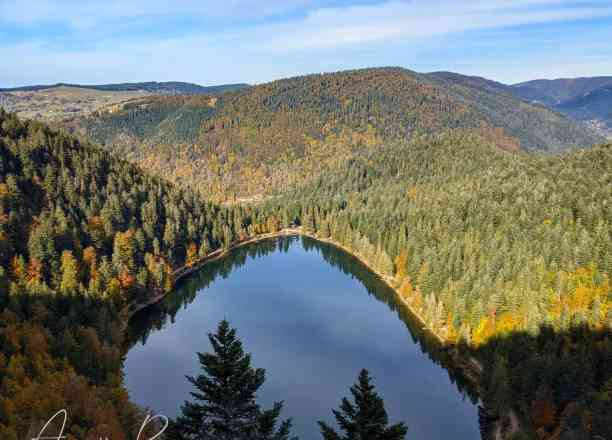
(253, 141)
(83, 236)
(475, 228)
(507, 254)
(538, 128)
(503, 254)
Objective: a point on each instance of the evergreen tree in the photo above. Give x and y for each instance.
(224, 406)
(366, 419)
(70, 271)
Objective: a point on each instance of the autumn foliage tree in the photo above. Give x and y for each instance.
(70, 273)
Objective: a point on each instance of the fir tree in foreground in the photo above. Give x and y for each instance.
(224, 406)
(366, 419)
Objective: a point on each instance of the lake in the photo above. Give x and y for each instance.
(313, 316)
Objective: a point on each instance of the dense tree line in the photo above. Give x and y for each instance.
(250, 142)
(83, 235)
(74, 219)
(477, 240)
(484, 245)
(487, 246)
(560, 381)
(63, 353)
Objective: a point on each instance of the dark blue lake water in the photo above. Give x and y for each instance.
(312, 316)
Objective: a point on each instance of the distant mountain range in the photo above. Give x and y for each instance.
(583, 99)
(159, 88)
(588, 100)
(63, 102)
(247, 142)
(553, 92)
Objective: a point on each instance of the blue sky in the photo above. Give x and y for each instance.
(222, 41)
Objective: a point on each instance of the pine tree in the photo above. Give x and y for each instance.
(224, 406)
(366, 419)
(70, 273)
(204, 246)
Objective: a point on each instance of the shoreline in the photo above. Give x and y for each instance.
(216, 255)
(469, 365)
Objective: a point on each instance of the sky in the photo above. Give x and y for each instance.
(253, 41)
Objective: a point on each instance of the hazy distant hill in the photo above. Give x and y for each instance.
(597, 103)
(583, 99)
(478, 82)
(161, 88)
(64, 102)
(553, 92)
(537, 127)
(246, 142)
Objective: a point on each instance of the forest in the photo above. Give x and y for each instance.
(504, 254)
(496, 251)
(83, 236)
(254, 141)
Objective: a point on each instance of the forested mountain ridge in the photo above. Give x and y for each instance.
(472, 81)
(507, 254)
(490, 247)
(582, 99)
(538, 128)
(552, 92)
(83, 234)
(250, 142)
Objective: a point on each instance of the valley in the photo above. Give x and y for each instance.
(317, 314)
(306, 220)
(490, 218)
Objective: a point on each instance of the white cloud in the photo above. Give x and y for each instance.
(322, 39)
(88, 13)
(82, 13)
(334, 27)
